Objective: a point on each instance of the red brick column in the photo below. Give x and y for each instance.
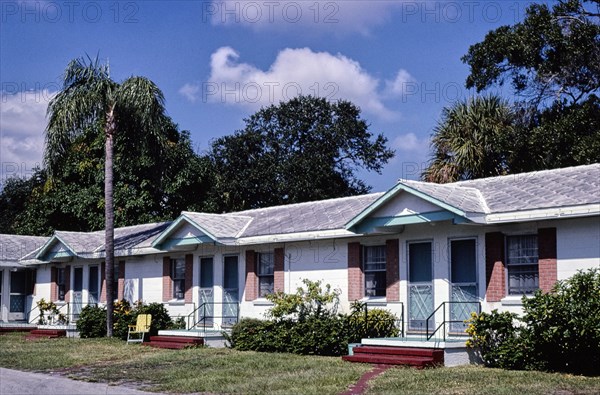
(392, 269)
(356, 281)
(53, 284)
(167, 283)
(189, 276)
(279, 258)
(251, 278)
(121, 281)
(494, 267)
(103, 282)
(547, 258)
(67, 283)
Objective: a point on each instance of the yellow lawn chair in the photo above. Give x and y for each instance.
(141, 327)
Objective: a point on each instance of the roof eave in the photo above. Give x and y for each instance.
(43, 250)
(393, 192)
(586, 210)
(161, 238)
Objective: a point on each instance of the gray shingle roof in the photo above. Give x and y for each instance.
(222, 226)
(81, 242)
(464, 198)
(571, 186)
(305, 217)
(137, 236)
(14, 247)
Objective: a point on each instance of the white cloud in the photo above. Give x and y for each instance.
(190, 91)
(294, 72)
(338, 17)
(22, 125)
(410, 142)
(397, 87)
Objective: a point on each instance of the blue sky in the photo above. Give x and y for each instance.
(218, 62)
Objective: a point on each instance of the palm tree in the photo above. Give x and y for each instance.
(471, 141)
(91, 99)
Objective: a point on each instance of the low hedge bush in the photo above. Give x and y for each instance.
(559, 330)
(92, 320)
(307, 323)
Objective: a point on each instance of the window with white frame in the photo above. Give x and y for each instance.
(178, 278)
(522, 264)
(60, 283)
(374, 270)
(266, 274)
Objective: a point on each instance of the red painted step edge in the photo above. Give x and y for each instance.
(169, 345)
(177, 339)
(390, 360)
(424, 352)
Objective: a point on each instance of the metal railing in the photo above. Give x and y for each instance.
(444, 320)
(70, 311)
(205, 315)
(371, 321)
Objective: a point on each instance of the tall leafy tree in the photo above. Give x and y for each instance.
(150, 188)
(470, 141)
(553, 54)
(551, 60)
(14, 196)
(301, 150)
(91, 99)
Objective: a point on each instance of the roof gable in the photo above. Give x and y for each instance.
(403, 205)
(572, 191)
(199, 228)
(15, 247)
(56, 249)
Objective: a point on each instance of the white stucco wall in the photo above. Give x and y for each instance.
(578, 245)
(405, 204)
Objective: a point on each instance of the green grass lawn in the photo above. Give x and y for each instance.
(225, 371)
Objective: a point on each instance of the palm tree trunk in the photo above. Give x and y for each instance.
(109, 244)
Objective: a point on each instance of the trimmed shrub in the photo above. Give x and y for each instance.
(160, 316)
(306, 323)
(376, 323)
(246, 335)
(497, 339)
(563, 327)
(92, 322)
(559, 330)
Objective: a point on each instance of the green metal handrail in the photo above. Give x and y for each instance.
(444, 321)
(204, 317)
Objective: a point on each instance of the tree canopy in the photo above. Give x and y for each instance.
(301, 150)
(470, 140)
(552, 60)
(554, 53)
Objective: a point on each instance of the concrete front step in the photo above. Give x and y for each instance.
(46, 334)
(49, 332)
(174, 342)
(14, 329)
(419, 357)
(383, 359)
(414, 351)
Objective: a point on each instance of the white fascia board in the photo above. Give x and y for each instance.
(543, 214)
(292, 237)
(123, 253)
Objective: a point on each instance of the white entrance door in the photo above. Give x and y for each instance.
(93, 289)
(230, 289)
(463, 275)
(77, 291)
(420, 285)
(18, 295)
(206, 313)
